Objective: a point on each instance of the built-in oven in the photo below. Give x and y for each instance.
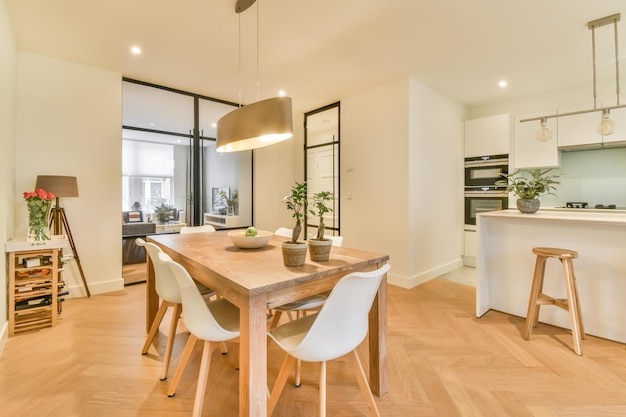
(477, 202)
(481, 194)
(484, 171)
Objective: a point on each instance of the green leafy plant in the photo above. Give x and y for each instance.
(162, 212)
(528, 184)
(230, 202)
(319, 209)
(296, 201)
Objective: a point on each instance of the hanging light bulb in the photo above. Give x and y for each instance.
(544, 134)
(606, 125)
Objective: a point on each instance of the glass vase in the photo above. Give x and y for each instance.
(38, 215)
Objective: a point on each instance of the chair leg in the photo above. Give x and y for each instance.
(322, 389)
(275, 319)
(297, 381)
(533, 308)
(178, 308)
(182, 365)
(580, 312)
(281, 380)
(572, 305)
(364, 384)
(155, 326)
(205, 364)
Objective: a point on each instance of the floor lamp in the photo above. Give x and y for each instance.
(62, 186)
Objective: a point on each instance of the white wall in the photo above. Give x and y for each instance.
(276, 167)
(69, 120)
(401, 180)
(435, 184)
(374, 172)
(8, 97)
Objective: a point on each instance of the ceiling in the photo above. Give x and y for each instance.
(323, 50)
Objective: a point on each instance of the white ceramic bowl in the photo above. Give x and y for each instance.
(239, 239)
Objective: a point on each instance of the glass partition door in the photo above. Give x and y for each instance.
(321, 143)
(169, 158)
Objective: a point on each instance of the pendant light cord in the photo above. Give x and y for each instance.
(258, 82)
(593, 59)
(239, 58)
(616, 62)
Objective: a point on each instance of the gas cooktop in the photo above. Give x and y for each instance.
(584, 205)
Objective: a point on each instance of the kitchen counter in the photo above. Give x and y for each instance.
(565, 214)
(505, 264)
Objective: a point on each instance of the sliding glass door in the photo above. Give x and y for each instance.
(169, 158)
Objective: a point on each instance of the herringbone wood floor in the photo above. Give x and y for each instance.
(443, 362)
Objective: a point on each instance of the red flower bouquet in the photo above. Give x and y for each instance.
(39, 203)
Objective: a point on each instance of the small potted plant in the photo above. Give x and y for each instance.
(294, 252)
(319, 247)
(528, 185)
(163, 212)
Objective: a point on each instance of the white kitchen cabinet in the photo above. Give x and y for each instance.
(529, 152)
(488, 135)
(470, 248)
(579, 131)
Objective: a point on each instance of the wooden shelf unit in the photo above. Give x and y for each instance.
(33, 290)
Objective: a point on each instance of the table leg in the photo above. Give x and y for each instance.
(253, 357)
(379, 376)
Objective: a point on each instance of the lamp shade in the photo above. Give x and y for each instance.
(60, 186)
(255, 125)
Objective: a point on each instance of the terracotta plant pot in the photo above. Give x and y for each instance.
(528, 206)
(294, 254)
(319, 250)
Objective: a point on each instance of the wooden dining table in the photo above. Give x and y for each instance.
(256, 280)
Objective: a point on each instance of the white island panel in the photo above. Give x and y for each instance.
(506, 263)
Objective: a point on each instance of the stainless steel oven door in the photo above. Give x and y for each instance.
(477, 202)
(479, 173)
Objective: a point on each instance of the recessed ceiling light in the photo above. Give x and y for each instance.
(135, 50)
(282, 93)
(502, 84)
(213, 124)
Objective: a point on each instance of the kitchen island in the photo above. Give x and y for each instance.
(505, 265)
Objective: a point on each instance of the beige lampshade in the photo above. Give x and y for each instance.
(60, 186)
(255, 125)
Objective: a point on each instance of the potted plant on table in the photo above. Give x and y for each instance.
(528, 185)
(319, 247)
(294, 252)
(163, 212)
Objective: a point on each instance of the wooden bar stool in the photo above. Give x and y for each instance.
(571, 303)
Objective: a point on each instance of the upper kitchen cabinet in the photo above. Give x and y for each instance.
(488, 135)
(578, 131)
(531, 153)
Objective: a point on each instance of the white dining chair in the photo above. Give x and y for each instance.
(336, 330)
(311, 303)
(168, 292)
(214, 323)
(283, 232)
(207, 228)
